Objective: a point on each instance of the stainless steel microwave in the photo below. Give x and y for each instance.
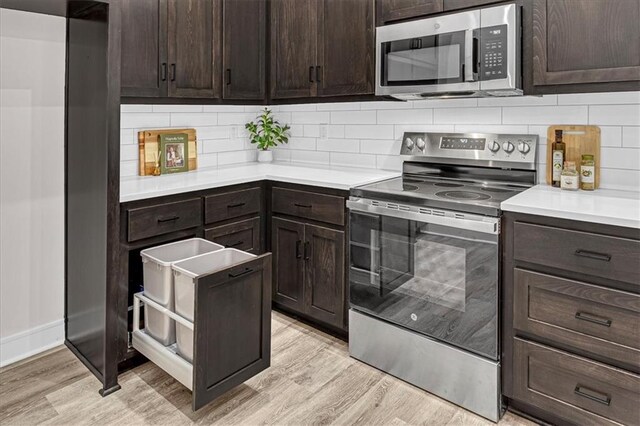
(468, 54)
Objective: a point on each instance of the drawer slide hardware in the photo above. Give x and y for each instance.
(593, 255)
(168, 219)
(593, 319)
(602, 398)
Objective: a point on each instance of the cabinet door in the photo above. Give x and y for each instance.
(395, 10)
(293, 48)
(287, 239)
(144, 48)
(232, 328)
(585, 41)
(194, 48)
(345, 47)
(244, 38)
(463, 4)
(324, 283)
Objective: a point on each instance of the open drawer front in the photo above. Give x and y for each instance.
(231, 331)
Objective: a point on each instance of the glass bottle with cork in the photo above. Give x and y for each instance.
(558, 149)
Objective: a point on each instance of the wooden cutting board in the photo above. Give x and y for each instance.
(148, 149)
(579, 140)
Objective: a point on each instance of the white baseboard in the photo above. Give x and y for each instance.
(31, 342)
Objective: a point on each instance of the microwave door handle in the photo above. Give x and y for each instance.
(468, 55)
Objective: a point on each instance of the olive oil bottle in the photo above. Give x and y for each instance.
(558, 150)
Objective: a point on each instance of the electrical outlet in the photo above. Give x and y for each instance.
(234, 132)
(324, 131)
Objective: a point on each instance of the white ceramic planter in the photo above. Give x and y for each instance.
(265, 156)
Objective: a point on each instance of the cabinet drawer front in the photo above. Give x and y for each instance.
(590, 254)
(243, 235)
(580, 390)
(231, 205)
(161, 219)
(309, 205)
(592, 318)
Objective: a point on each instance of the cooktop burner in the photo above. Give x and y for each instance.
(463, 195)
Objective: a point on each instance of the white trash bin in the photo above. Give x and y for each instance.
(186, 273)
(158, 282)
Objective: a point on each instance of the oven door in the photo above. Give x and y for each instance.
(434, 275)
(435, 55)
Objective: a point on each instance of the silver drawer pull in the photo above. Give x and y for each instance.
(600, 397)
(593, 255)
(594, 319)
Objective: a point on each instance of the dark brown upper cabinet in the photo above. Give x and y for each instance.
(346, 54)
(244, 39)
(396, 10)
(321, 48)
(585, 45)
(171, 48)
(463, 4)
(293, 48)
(194, 34)
(144, 48)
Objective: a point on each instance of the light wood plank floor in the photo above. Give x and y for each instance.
(312, 380)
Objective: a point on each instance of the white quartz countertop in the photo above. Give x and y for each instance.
(607, 206)
(142, 187)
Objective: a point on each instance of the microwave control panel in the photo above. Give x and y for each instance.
(493, 52)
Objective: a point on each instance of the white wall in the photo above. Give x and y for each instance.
(32, 72)
(368, 134)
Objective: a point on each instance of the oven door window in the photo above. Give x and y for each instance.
(436, 280)
(436, 59)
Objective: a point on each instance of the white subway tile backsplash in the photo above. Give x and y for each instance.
(310, 117)
(128, 152)
(339, 145)
(136, 108)
(144, 120)
(631, 137)
(194, 119)
(236, 157)
(406, 116)
(177, 108)
(384, 147)
(467, 116)
(353, 117)
(301, 143)
(611, 136)
(519, 101)
(613, 98)
(353, 160)
(615, 115)
(128, 136)
(545, 115)
(368, 134)
(315, 157)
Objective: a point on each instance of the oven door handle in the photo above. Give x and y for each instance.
(485, 226)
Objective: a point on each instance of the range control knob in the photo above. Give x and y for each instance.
(420, 144)
(408, 142)
(494, 146)
(508, 147)
(523, 147)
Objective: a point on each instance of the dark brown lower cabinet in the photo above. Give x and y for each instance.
(243, 235)
(571, 320)
(573, 387)
(309, 270)
(232, 328)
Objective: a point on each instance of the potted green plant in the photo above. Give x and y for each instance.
(266, 133)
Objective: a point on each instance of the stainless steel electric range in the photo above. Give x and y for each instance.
(424, 277)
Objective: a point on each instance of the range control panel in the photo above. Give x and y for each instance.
(471, 146)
